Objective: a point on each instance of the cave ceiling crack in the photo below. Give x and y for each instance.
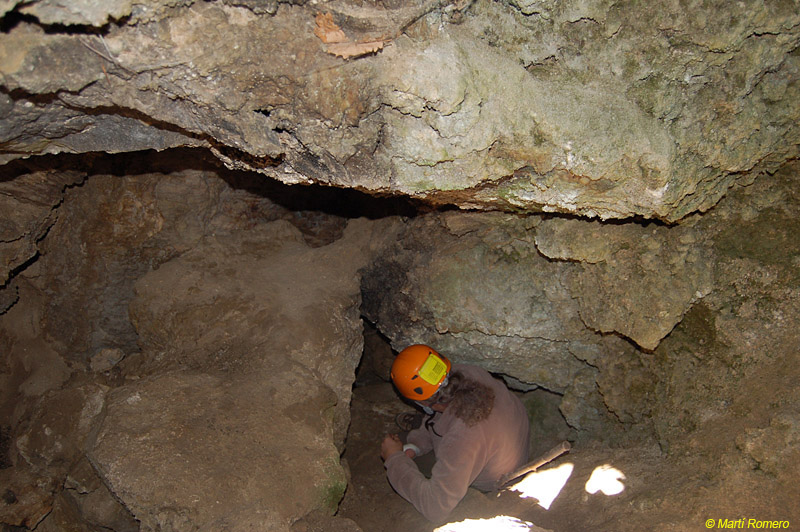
(581, 360)
(18, 269)
(584, 19)
(234, 153)
(463, 334)
(129, 112)
(20, 237)
(67, 29)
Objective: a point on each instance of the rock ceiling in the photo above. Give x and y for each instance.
(596, 108)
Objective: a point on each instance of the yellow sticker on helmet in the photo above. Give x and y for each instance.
(433, 370)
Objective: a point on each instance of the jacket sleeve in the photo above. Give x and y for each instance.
(458, 464)
(422, 439)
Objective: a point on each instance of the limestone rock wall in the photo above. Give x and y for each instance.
(477, 288)
(219, 346)
(641, 328)
(32, 198)
(120, 228)
(180, 358)
(602, 109)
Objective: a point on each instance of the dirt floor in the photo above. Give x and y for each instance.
(657, 494)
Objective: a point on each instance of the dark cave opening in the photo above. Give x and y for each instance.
(376, 359)
(312, 198)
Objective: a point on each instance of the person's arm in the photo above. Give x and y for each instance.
(458, 464)
(422, 438)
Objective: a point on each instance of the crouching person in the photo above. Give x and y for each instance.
(477, 429)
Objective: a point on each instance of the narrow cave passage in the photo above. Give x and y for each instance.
(555, 497)
(597, 486)
(163, 299)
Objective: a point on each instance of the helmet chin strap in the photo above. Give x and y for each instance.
(428, 410)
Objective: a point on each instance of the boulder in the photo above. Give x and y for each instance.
(634, 280)
(241, 405)
(188, 450)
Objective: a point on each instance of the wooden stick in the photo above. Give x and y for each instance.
(549, 456)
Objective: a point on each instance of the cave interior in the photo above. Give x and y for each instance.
(221, 220)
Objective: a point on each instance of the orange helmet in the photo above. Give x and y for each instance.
(418, 371)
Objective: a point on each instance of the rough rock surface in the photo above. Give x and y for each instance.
(734, 352)
(238, 356)
(167, 317)
(241, 404)
(60, 427)
(708, 415)
(551, 302)
(477, 287)
(603, 109)
(634, 280)
(188, 450)
(123, 229)
(703, 423)
(32, 198)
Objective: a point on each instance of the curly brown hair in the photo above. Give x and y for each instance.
(469, 400)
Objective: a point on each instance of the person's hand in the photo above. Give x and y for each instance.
(391, 445)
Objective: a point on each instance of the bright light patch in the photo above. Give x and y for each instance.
(501, 523)
(606, 479)
(545, 485)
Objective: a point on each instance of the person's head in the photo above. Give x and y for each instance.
(424, 376)
(419, 371)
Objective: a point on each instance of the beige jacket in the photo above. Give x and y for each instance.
(465, 456)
